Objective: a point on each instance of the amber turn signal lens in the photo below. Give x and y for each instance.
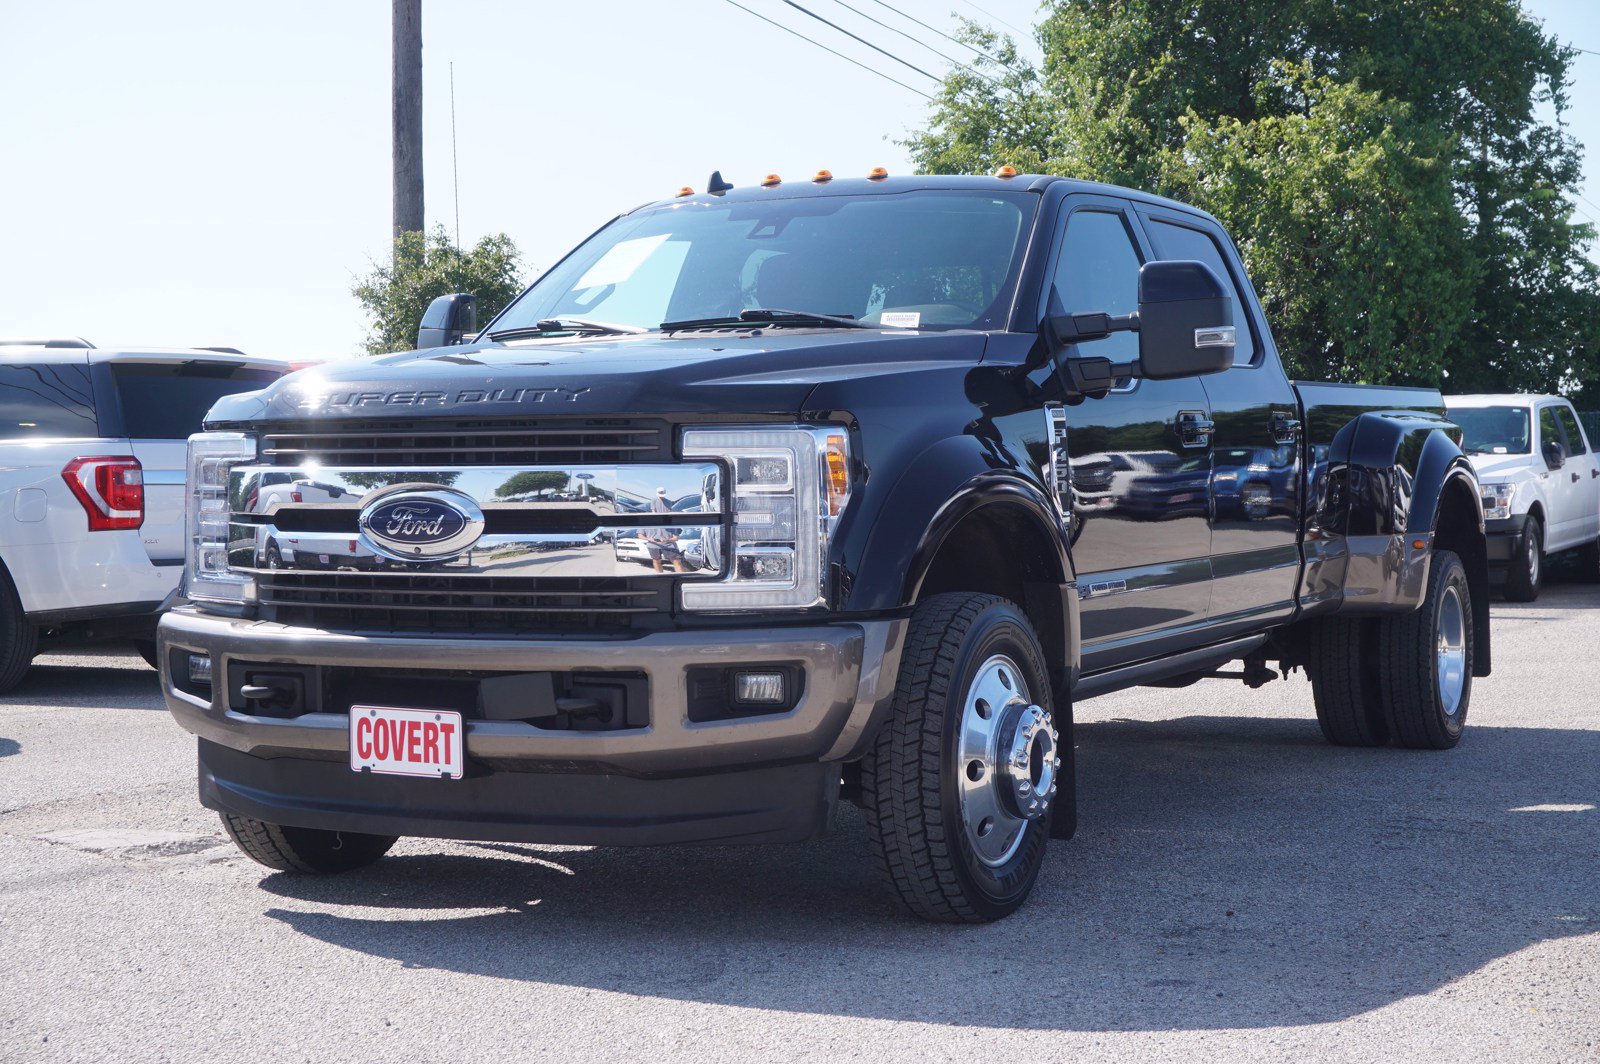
(1005, 173)
(838, 474)
(771, 181)
(823, 177)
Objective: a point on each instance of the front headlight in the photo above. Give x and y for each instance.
(1497, 501)
(206, 577)
(790, 484)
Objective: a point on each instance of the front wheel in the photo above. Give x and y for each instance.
(1425, 662)
(291, 849)
(1525, 573)
(961, 782)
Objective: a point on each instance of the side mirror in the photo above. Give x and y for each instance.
(447, 320)
(1185, 321)
(1555, 455)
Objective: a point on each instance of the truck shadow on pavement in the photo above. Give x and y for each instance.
(1228, 873)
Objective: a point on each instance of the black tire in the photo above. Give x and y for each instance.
(1525, 571)
(1419, 708)
(290, 849)
(146, 649)
(1343, 683)
(274, 556)
(19, 639)
(911, 777)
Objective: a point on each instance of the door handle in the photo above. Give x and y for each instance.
(1194, 428)
(1574, 478)
(1594, 473)
(1285, 428)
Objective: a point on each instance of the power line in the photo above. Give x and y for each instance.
(920, 42)
(825, 48)
(884, 51)
(935, 29)
(997, 18)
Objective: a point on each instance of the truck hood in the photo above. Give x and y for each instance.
(1495, 467)
(756, 372)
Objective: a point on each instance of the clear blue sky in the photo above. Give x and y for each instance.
(193, 172)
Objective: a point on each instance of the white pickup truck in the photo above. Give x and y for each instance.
(1541, 484)
(93, 444)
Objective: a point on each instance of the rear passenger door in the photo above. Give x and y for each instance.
(1140, 462)
(1255, 470)
(1582, 475)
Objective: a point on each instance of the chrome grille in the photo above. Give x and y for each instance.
(428, 602)
(450, 443)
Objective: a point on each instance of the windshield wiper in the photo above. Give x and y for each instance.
(773, 316)
(549, 326)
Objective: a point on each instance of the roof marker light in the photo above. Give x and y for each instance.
(878, 174)
(1006, 173)
(685, 191)
(771, 181)
(823, 177)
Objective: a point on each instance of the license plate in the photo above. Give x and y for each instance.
(406, 742)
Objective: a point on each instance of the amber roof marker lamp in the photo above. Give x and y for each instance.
(1006, 173)
(877, 173)
(823, 177)
(685, 191)
(771, 181)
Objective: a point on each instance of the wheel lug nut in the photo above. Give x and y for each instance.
(1024, 786)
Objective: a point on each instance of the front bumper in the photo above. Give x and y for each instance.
(1502, 538)
(673, 780)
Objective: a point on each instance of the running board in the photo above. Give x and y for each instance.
(1203, 659)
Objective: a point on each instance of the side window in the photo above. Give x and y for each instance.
(1098, 270)
(46, 401)
(1569, 425)
(1547, 426)
(1174, 241)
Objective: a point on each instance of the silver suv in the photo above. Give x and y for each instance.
(92, 452)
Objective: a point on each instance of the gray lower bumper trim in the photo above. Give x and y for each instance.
(850, 672)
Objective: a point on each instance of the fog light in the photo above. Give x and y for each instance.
(200, 668)
(758, 688)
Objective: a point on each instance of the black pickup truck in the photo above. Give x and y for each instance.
(766, 497)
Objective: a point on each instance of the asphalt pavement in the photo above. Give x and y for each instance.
(1238, 891)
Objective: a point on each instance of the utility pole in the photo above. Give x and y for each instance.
(407, 112)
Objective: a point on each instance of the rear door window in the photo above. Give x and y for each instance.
(168, 401)
(1174, 241)
(1569, 425)
(46, 401)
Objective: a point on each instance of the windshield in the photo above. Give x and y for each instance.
(1494, 429)
(914, 259)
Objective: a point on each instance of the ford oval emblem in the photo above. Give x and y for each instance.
(421, 524)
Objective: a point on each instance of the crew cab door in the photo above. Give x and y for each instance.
(1255, 456)
(1140, 461)
(1575, 487)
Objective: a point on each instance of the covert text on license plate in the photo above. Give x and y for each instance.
(406, 742)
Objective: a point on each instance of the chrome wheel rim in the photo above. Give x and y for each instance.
(1007, 761)
(1452, 651)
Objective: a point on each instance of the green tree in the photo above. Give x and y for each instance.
(1388, 169)
(427, 265)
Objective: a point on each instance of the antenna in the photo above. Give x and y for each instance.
(455, 170)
